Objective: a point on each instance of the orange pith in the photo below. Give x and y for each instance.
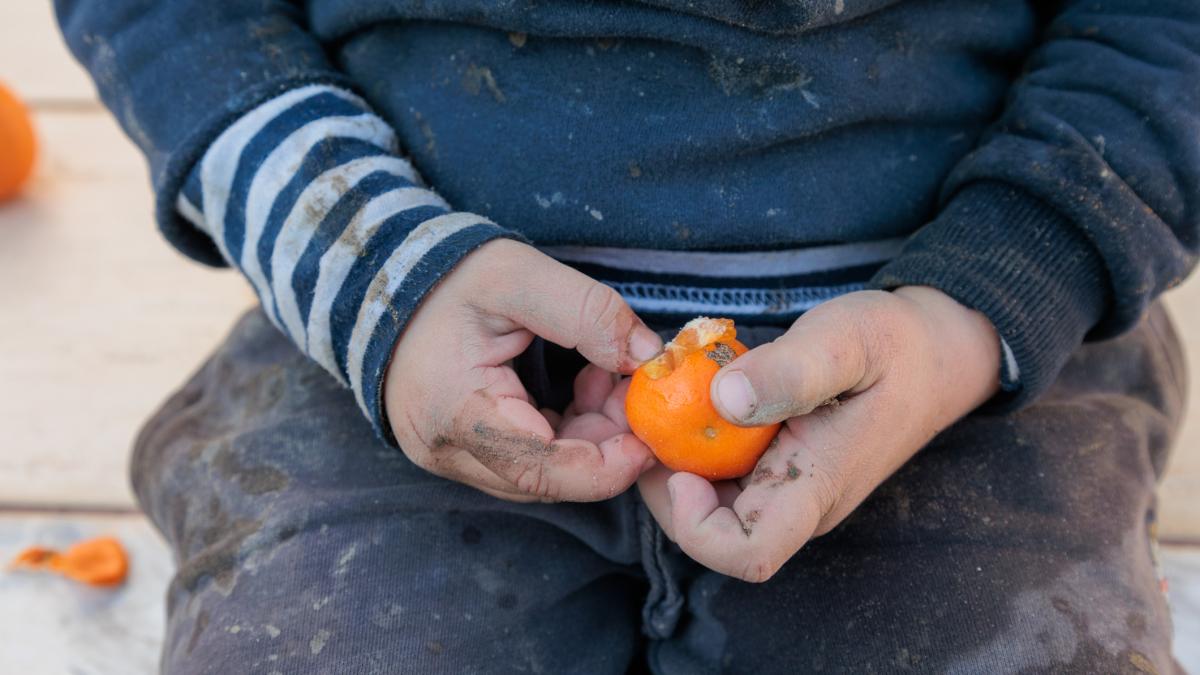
(669, 408)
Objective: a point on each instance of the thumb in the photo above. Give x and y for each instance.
(573, 310)
(819, 358)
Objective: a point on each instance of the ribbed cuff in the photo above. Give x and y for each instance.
(1006, 254)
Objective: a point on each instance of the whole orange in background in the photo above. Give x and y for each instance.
(669, 408)
(17, 144)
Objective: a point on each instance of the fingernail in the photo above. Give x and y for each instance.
(736, 394)
(644, 344)
(671, 490)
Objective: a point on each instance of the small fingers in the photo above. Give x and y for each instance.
(716, 536)
(824, 354)
(552, 417)
(748, 529)
(823, 466)
(591, 427)
(460, 466)
(591, 417)
(504, 435)
(575, 311)
(592, 387)
(652, 486)
(614, 405)
(751, 544)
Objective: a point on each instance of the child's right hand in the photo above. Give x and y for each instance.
(459, 410)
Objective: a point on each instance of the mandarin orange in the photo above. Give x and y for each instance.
(18, 146)
(669, 408)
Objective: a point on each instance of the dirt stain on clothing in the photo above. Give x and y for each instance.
(318, 641)
(198, 629)
(253, 480)
(477, 78)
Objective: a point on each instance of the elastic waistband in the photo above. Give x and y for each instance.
(768, 287)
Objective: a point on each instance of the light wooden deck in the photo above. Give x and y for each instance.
(99, 319)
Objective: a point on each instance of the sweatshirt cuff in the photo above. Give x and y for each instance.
(307, 196)
(1035, 276)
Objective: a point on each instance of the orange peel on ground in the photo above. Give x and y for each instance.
(96, 562)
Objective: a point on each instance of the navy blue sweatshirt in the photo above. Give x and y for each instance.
(1038, 162)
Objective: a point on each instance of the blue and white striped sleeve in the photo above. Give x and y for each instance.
(307, 195)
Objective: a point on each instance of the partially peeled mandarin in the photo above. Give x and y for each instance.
(669, 408)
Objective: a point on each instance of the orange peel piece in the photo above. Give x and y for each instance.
(96, 562)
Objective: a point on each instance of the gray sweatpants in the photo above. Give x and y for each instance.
(1014, 543)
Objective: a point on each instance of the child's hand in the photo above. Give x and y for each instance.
(863, 382)
(598, 410)
(459, 410)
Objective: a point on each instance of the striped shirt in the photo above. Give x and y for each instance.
(1049, 182)
(307, 195)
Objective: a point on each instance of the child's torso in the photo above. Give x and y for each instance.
(706, 125)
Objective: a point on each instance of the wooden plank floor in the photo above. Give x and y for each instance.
(1180, 490)
(99, 319)
(1181, 565)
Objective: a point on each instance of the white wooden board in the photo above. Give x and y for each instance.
(1180, 492)
(1181, 565)
(33, 57)
(99, 318)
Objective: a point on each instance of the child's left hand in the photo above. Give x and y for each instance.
(862, 382)
(598, 410)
